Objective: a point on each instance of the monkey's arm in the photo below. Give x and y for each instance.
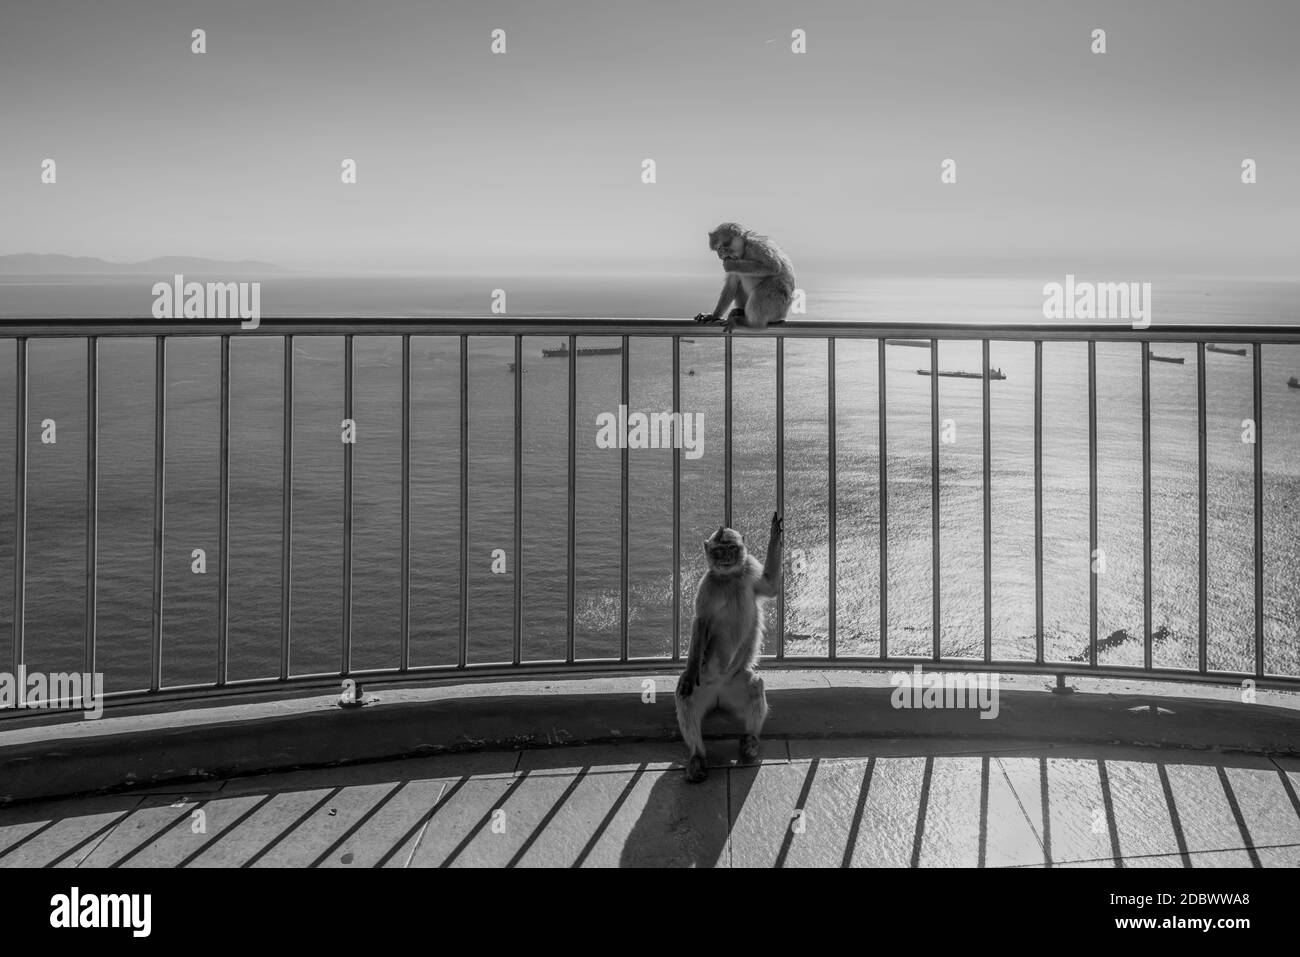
(760, 259)
(694, 657)
(730, 286)
(770, 583)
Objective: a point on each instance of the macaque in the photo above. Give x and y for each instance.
(726, 642)
(760, 279)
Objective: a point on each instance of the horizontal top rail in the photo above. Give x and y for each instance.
(528, 325)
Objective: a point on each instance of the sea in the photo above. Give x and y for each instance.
(55, 581)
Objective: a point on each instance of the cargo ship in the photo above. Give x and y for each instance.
(562, 352)
(1228, 352)
(993, 374)
(1176, 359)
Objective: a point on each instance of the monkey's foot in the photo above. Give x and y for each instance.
(706, 317)
(736, 315)
(696, 770)
(749, 748)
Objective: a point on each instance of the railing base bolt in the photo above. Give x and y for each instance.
(1062, 687)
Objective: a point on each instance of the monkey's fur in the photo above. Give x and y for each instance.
(726, 642)
(760, 278)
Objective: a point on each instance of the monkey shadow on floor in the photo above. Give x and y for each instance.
(688, 825)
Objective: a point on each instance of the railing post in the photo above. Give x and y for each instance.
(223, 521)
(1038, 501)
(1092, 502)
(463, 642)
(726, 429)
(883, 500)
(159, 495)
(286, 513)
(519, 502)
(988, 510)
(677, 501)
(1146, 504)
(622, 511)
(934, 500)
(404, 612)
(346, 656)
(1257, 362)
(831, 486)
(1202, 496)
(20, 500)
(92, 498)
(780, 485)
(572, 550)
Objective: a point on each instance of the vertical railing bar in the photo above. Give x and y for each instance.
(159, 490)
(286, 513)
(1038, 501)
(20, 500)
(92, 499)
(1203, 500)
(988, 510)
(1092, 503)
(519, 500)
(934, 498)
(677, 502)
(346, 658)
(726, 426)
(404, 612)
(1146, 505)
(623, 509)
(831, 486)
(780, 484)
(883, 481)
(223, 522)
(463, 639)
(571, 581)
(1257, 361)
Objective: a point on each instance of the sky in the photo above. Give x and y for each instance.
(531, 161)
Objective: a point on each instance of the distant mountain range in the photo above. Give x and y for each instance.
(53, 264)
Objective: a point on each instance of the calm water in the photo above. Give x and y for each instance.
(56, 505)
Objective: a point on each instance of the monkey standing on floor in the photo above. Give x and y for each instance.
(726, 642)
(760, 278)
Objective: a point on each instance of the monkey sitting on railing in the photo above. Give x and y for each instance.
(727, 641)
(759, 278)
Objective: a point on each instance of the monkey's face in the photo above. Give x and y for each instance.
(727, 244)
(725, 550)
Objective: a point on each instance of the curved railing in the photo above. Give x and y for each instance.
(1256, 342)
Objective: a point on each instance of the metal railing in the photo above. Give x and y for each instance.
(92, 331)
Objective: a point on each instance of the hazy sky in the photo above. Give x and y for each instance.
(531, 161)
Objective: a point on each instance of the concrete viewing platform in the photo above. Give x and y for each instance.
(586, 773)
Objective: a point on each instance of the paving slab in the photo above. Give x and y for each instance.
(390, 833)
(274, 817)
(1064, 801)
(314, 838)
(887, 836)
(147, 823)
(192, 834)
(67, 831)
(579, 823)
(666, 822)
(515, 821)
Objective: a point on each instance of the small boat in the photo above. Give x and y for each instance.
(512, 368)
(1293, 383)
(915, 343)
(563, 351)
(993, 374)
(1227, 352)
(1177, 359)
(692, 372)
